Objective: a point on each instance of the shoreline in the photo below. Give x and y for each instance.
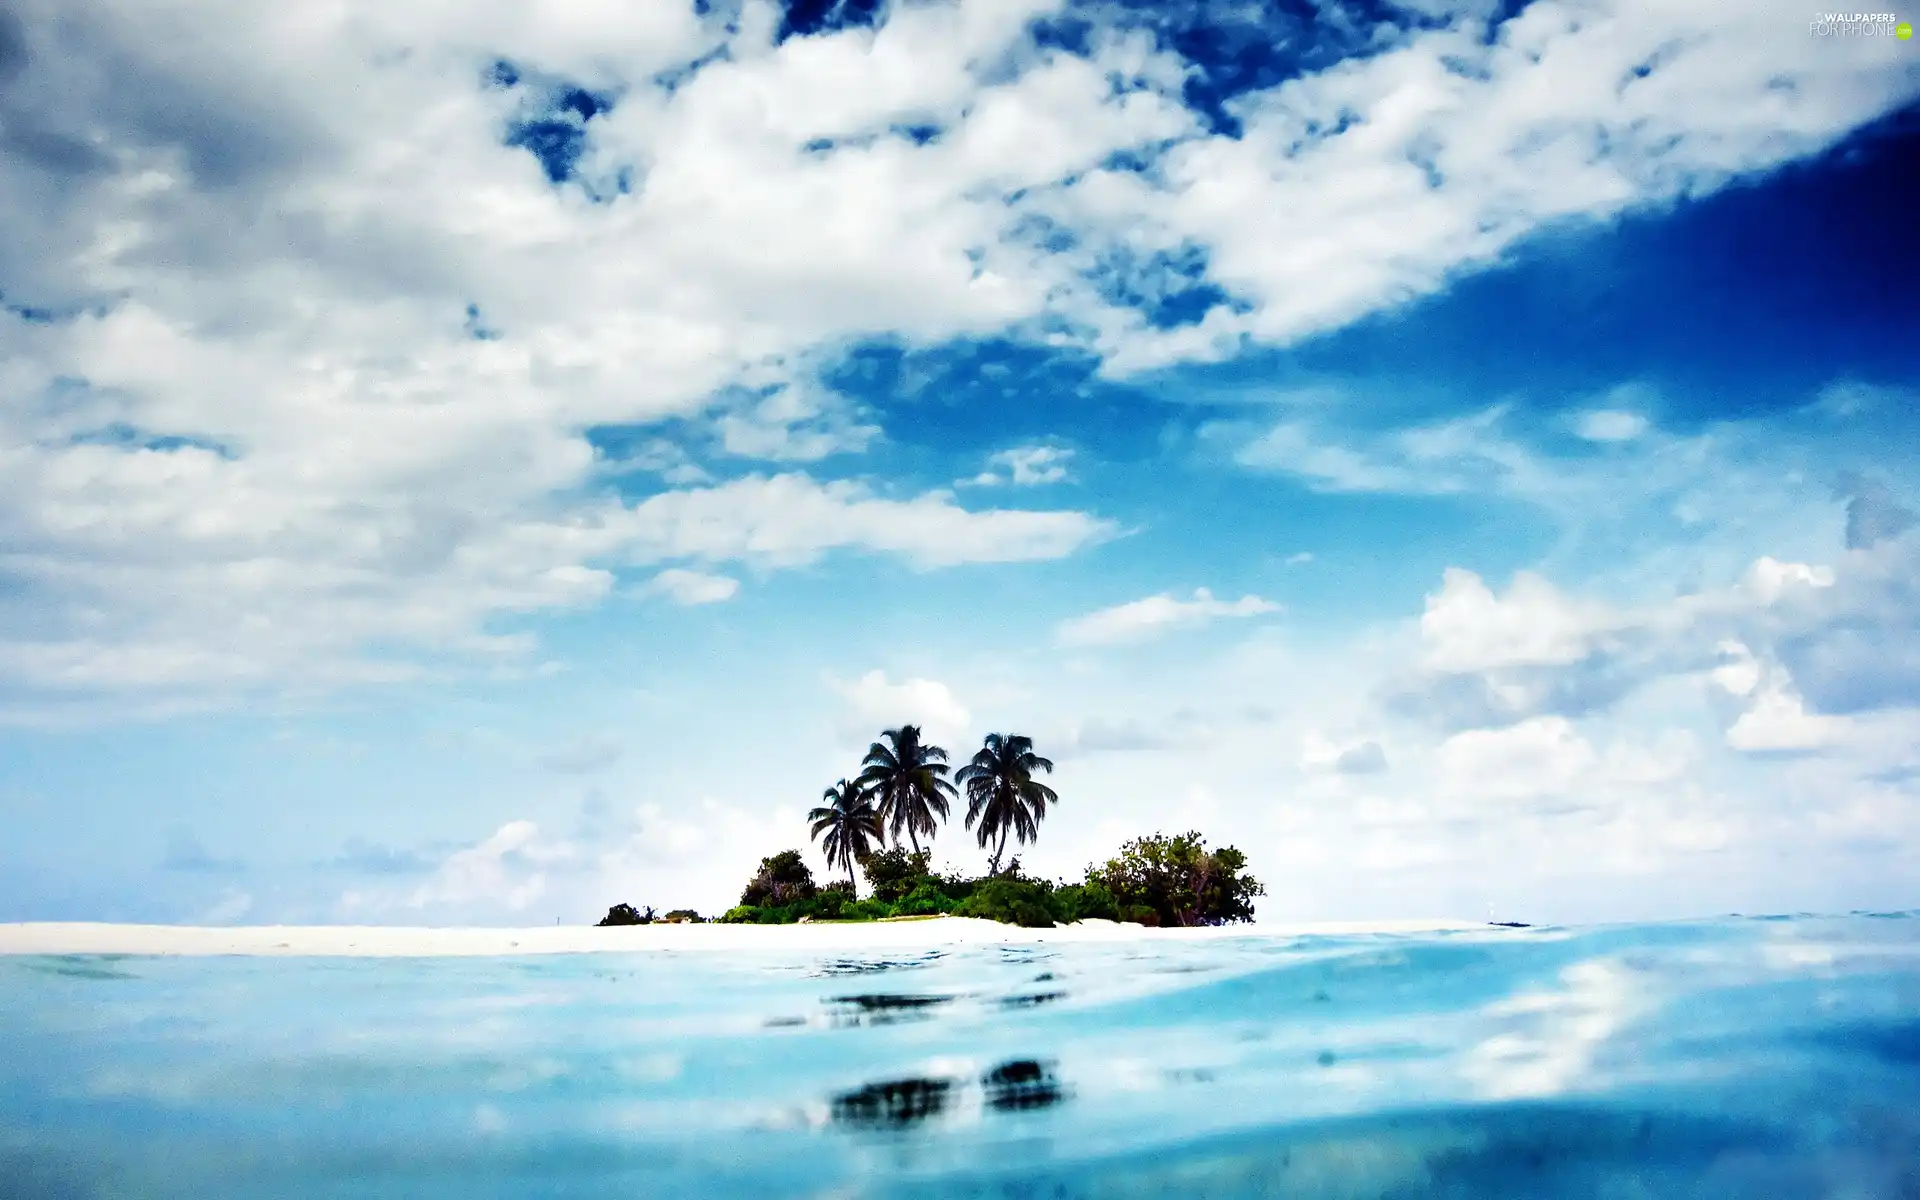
(373, 941)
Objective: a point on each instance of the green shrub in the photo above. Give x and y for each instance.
(1081, 901)
(782, 879)
(1009, 901)
(866, 910)
(744, 914)
(894, 872)
(925, 900)
(627, 914)
(827, 905)
(1162, 880)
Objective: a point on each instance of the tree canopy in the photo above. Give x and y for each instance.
(1003, 797)
(782, 879)
(1161, 880)
(848, 825)
(907, 778)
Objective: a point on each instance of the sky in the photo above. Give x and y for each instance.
(480, 463)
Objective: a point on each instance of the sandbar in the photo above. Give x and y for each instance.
(366, 941)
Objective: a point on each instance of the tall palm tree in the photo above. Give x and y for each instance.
(1002, 794)
(908, 780)
(851, 823)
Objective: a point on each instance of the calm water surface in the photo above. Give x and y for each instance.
(1741, 1058)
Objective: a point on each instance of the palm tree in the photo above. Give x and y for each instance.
(851, 823)
(1002, 794)
(908, 780)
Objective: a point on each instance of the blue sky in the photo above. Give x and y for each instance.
(478, 466)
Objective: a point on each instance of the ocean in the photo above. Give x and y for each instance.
(1744, 1057)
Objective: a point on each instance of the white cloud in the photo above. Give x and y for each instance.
(1610, 425)
(1441, 152)
(791, 520)
(1776, 716)
(1319, 754)
(1468, 628)
(694, 855)
(1367, 758)
(1489, 659)
(1779, 720)
(795, 424)
(1769, 579)
(1541, 756)
(274, 222)
(873, 703)
(508, 870)
(1299, 559)
(692, 587)
(1137, 620)
(1025, 466)
(171, 592)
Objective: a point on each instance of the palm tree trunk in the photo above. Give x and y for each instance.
(913, 837)
(1000, 851)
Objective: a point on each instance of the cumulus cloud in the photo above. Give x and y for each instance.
(1025, 466)
(1367, 758)
(1539, 756)
(874, 702)
(692, 587)
(1318, 753)
(795, 424)
(1138, 620)
(509, 869)
(1462, 140)
(1466, 627)
(1488, 659)
(311, 314)
(693, 855)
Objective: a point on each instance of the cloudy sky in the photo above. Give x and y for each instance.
(481, 462)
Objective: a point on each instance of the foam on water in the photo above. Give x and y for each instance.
(1735, 1058)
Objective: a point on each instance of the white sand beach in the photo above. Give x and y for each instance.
(398, 942)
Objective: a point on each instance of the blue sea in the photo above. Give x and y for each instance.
(1771, 1057)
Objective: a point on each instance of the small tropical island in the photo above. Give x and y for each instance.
(877, 821)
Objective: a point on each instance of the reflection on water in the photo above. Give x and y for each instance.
(1022, 1084)
(896, 1103)
(1775, 1057)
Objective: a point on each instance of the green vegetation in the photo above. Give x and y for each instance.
(1162, 880)
(902, 790)
(627, 914)
(782, 879)
(851, 823)
(1002, 794)
(1158, 880)
(907, 780)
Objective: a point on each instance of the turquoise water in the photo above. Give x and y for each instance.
(1746, 1057)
